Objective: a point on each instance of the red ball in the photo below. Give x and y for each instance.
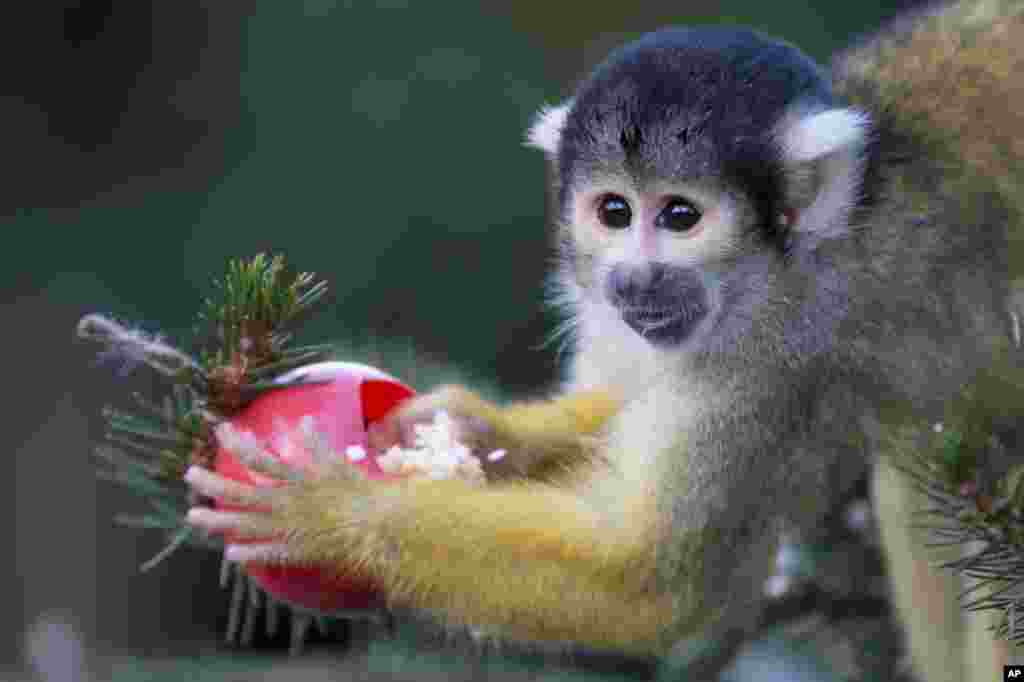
(352, 397)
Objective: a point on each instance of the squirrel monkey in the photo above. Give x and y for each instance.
(759, 259)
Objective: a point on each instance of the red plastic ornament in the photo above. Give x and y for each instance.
(351, 397)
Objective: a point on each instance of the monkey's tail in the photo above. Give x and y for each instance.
(954, 76)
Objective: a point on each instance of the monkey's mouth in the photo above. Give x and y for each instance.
(662, 325)
(656, 317)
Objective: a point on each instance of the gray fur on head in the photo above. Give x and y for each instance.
(686, 103)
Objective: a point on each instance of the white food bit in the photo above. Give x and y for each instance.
(495, 456)
(938, 428)
(355, 453)
(436, 454)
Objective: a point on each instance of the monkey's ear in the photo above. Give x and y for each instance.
(815, 136)
(546, 131)
(823, 154)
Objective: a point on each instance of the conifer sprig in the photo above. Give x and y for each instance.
(970, 505)
(259, 299)
(251, 321)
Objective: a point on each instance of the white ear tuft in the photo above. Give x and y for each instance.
(824, 155)
(546, 130)
(817, 135)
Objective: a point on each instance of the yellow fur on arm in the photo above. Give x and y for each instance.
(554, 436)
(575, 414)
(531, 559)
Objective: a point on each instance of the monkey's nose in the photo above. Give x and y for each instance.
(628, 283)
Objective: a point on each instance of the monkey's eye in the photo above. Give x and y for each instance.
(679, 216)
(613, 211)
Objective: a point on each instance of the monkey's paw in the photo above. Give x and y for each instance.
(260, 522)
(473, 421)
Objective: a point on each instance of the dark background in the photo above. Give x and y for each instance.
(375, 143)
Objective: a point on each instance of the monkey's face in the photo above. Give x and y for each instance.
(656, 255)
(689, 168)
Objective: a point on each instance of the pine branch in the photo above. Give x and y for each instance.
(971, 505)
(149, 449)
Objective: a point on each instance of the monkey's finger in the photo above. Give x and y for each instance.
(241, 525)
(252, 454)
(209, 484)
(262, 462)
(268, 553)
(316, 444)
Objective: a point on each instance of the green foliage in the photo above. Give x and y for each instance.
(148, 454)
(149, 451)
(973, 488)
(258, 300)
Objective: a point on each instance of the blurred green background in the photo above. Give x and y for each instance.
(378, 144)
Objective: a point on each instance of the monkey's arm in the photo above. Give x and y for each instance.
(650, 546)
(543, 439)
(531, 559)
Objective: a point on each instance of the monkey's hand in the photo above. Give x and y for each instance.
(259, 529)
(541, 439)
(534, 560)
